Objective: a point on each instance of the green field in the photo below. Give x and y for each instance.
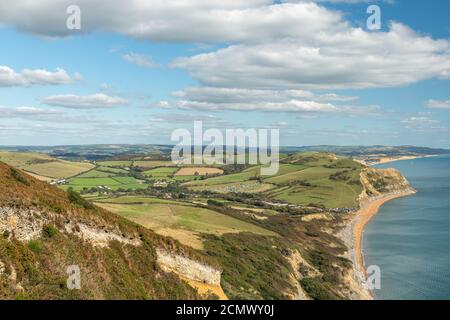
(152, 163)
(330, 195)
(167, 174)
(138, 200)
(160, 173)
(238, 187)
(111, 170)
(44, 165)
(96, 174)
(181, 221)
(115, 163)
(230, 178)
(319, 179)
(112, 183)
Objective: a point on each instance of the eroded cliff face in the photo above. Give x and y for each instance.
(24, 224)
(188, 268)
(379, 182)
(204, 278)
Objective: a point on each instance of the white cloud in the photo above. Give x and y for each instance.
(335, 59)
(140, 60)
(289, 45)
(336, 97)
(438, 104)
(419, 121)
(8, 112)
(9, 77)
(423, 123)
(184, 21)
(176, 118)
(93, 101)
(241, 99)
(233, 95)
(297, 106)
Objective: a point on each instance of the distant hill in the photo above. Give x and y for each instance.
(119, 151)
(358, 151)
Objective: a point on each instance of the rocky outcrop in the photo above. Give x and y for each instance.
(23, 224)
(27, 224)
(188, 268)
(2, 268)
(99, 237)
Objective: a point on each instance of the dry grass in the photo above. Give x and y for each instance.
(201, 171)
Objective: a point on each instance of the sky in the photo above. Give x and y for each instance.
(137, 70)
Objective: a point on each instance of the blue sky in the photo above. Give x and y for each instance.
(311, 69)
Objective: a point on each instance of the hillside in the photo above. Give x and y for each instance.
(238, 235)
(44, 167)
(44, 230)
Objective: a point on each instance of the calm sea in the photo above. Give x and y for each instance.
(409, 239)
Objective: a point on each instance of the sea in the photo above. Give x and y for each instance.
(409, 239)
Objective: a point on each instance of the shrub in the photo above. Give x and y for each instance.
(215, 203)
(50, 231)
(317, 289)
(35, 246)
(18, 177)
(75, 198)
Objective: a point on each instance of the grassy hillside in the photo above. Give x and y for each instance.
(308, 179)
(182, 221)
(271, 237)
(58, 229)
(44, 165)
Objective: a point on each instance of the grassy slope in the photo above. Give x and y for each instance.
(118, 272)
(310, 178)
(44, 165)
(182, 221)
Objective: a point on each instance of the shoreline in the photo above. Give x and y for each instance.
(385, 160)
(364, 215)
(353, 233)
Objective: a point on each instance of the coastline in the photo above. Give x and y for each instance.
(385, 160)
(353, 232)
(403, 158)
(363, 216)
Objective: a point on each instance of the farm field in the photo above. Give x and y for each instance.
(111, 170)
(330, 195)
(238, 187)
(308, 174)
(159, 173)
(96, 174)
(245, 175)
(115, 163)
(152, 163)
(181, 221)
(303, 179)
(44, 165)
(112, 183)
(201, 171)
(139, 200)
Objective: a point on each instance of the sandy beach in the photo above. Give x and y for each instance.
(352, 236)
(368, 210)
(384, 160)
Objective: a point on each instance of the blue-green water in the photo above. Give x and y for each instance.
(409, 239)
